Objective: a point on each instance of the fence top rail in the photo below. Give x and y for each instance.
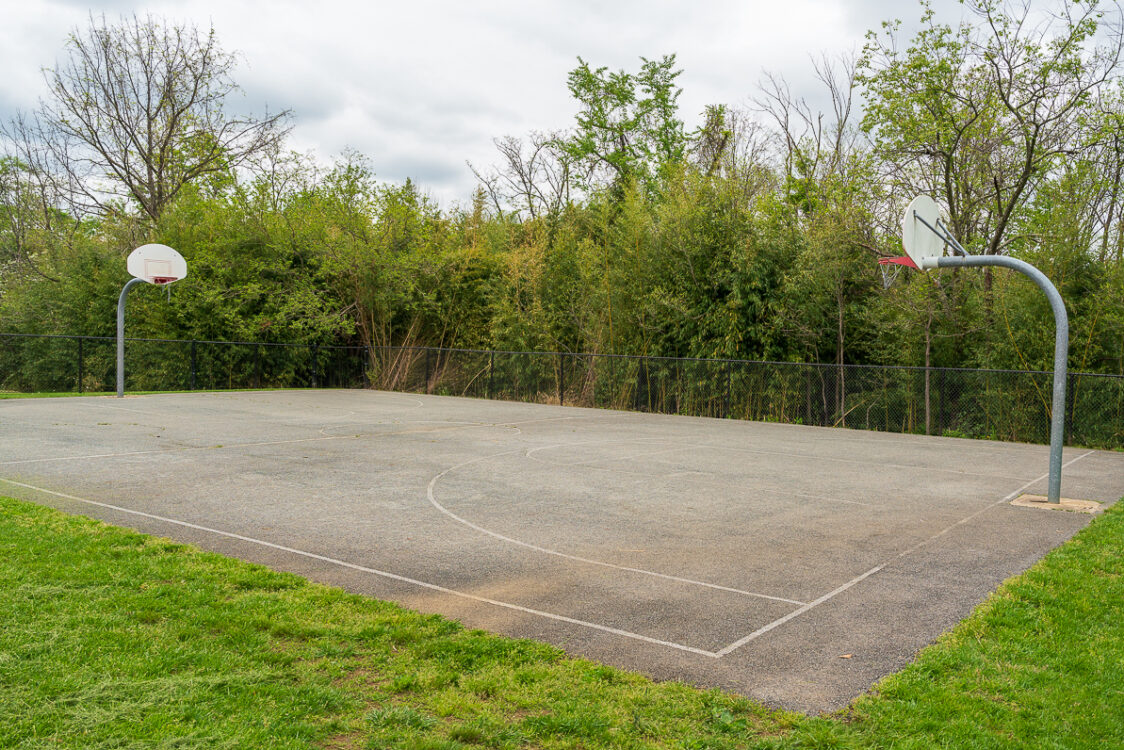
(819, 365)
(632, 357)
(354, 347)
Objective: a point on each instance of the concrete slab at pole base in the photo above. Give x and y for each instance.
(1067, 504)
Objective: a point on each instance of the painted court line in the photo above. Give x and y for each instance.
(83, 458)
(589, 561)
(117, 408)
(176, 450)
(374, 571)
(862, 576)
(532, 421)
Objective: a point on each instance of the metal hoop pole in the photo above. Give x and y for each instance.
(1061, 351)
(121, 335)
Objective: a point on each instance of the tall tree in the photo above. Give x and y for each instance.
(137, 110)
(628, 126)
(534, 177)
(29, 222)
(980, 114)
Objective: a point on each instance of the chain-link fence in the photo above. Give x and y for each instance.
(1011, 405)
(31, 363)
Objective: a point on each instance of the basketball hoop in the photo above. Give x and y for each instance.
(157, 264)
(926, 238)
(891, 267)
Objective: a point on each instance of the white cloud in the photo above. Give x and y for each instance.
(422, 87)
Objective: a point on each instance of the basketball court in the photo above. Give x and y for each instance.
(795, 565)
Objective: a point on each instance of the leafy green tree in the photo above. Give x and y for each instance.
(628, 127)
(982, 113)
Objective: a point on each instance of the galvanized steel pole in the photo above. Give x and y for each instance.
(121, 336)
(1061, 351)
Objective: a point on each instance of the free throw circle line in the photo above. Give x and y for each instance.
(576, 558)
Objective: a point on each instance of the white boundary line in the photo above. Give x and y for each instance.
(862, 576)
(374, 571)
(544, 419)
(179, 449)
(231, 446)
(588, 561)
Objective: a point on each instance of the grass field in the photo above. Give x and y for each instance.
(105, 394)
(61, 394)
(111, 638)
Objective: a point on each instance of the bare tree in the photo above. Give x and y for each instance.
(33, 229)
(732, 145)
(535, 175)
(17, 216)
(815, 144)
(137, 110)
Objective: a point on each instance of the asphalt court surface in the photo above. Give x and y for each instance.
(748, 556)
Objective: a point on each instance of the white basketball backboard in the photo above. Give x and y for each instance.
(157, 264)
(922, 243)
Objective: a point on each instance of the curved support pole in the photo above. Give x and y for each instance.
(1061, 351)
(121, 335)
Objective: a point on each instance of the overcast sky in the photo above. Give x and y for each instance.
(420, 87)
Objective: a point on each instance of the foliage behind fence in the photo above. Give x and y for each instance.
(1010, 405)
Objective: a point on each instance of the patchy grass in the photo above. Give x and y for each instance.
(111, 638)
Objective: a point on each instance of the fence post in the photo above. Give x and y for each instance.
(315, 366)
(561, 378)
(679, 389)
(491, 373)
(81, 365)
(941, 395)
(928, 396)
(591, 378)
(194, 364)
(1071, 406)
(427, 351)
(640, 374)
(258, 349)
(807, 395)
(729, 377)
(613, 385)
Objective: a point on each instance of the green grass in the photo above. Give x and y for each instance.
(103, 394)
(60, 394)
(110, 638)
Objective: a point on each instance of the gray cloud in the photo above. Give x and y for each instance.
(422, 87)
